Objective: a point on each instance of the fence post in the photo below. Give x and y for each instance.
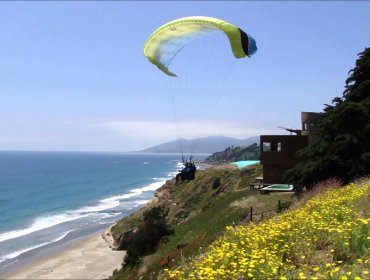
(251, 212)
(279, 207)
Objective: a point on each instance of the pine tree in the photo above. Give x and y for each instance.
(343, 149)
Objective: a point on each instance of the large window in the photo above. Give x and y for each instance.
(271, 147)
(266, 147)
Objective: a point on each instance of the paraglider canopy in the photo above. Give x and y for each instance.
(165, 42)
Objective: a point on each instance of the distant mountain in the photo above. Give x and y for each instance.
(206, 145)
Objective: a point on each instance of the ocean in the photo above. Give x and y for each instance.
(48, 199)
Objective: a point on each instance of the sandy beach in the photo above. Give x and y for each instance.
(87, 258)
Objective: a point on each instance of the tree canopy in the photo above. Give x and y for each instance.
(343, 148)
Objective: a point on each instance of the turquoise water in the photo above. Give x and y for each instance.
(244, 163)
(48, 198)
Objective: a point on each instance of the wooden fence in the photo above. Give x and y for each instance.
(267, 213)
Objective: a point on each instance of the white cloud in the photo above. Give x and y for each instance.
(169, 130)
(119, 134)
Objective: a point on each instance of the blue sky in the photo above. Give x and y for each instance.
(74, 78)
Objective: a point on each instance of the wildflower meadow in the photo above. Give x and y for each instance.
(326, 238)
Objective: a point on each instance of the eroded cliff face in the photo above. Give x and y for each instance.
(164, 196)
(123, 229)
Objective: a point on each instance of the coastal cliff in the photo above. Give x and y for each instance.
(197, 212)
(187, 199)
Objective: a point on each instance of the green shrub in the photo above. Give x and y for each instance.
(216, 183)
(145, 239)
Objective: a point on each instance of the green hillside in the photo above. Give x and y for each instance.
(198, 212)
(235, 153)
(326, 237)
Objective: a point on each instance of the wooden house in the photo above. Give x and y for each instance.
(278, 152)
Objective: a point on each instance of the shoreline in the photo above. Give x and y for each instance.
(85, 251)
(90, 257)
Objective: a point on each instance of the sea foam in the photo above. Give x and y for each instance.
(19, 252)
(40, 224)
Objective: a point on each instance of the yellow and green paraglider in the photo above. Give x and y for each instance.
(164, 44)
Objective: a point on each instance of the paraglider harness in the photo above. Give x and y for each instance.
(188, 172)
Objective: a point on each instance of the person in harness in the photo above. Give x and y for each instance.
(188, 172)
